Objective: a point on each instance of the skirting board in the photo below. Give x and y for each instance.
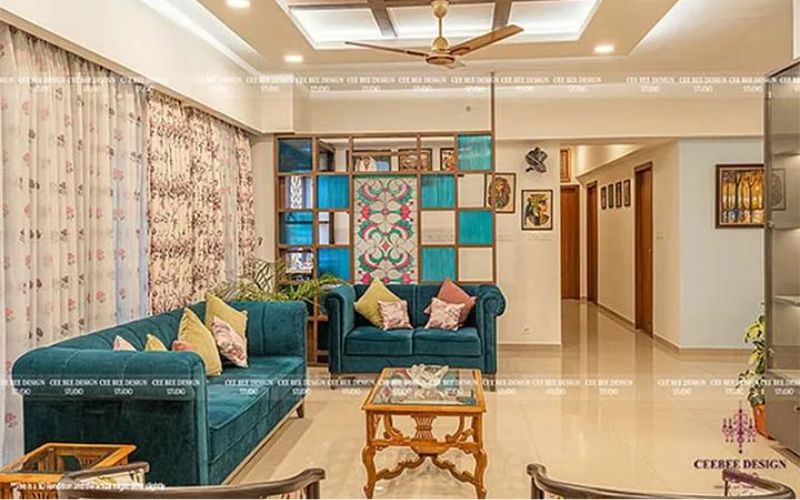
(246, 460)
(616, 315)
(699, 350)
(520, 347)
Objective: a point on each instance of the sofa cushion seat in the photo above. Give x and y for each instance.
(240, 397)
(462, 342)
(372, 341)
(232, 411)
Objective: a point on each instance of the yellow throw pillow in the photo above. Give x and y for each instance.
(154, 344)
(215, 306)
(368, 306)
(193, 332)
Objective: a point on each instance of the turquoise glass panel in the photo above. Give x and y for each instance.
(438, 263)
(297, 228)
(475, 152)
(475, 227)
(335, 261)
(333, 191)
(294, 155)
(438, 191)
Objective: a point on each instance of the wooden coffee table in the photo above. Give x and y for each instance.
(36, 474)
(459, 396)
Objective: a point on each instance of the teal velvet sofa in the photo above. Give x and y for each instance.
(191, 429)
(356, 346)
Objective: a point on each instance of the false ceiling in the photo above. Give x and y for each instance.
(316, 29)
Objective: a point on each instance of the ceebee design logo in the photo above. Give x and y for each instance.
(739, 428)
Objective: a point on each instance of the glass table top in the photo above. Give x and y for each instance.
(60, 459)
(397, 386)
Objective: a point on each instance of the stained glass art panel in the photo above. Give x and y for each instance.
(385, 232)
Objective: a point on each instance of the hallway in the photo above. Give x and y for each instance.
(613, 408)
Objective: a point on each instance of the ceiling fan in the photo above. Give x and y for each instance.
(441, 53)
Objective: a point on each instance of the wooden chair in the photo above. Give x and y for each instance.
(127, 481)
(543, 486)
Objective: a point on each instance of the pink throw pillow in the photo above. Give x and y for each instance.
(444, 316)
(394, 314)
(231, 345)
(181, 345)
(121, 344)
(454, 294)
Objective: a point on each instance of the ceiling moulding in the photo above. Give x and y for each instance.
(272, 28)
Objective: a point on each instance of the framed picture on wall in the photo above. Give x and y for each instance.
(626, 192)
(740, 196)
(502, 192)
(370, 160)
(566, 167)
(618, 193)
(537, 209)
(447, 160)
(610, 196)
(777, 189)
(603, 198)
(408, 160)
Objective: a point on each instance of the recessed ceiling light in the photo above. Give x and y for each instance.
(293, 58)
(238, 4)
(604, 48)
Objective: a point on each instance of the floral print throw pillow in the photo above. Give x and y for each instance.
(394, 314)
(231, 345)
(444, 316)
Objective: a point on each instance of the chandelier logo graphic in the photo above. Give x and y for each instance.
(739, 428)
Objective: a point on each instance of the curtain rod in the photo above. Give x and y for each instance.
(65, 44)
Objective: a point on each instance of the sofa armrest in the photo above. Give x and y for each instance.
(155, 400)
(62, 372)
(489, 305)
(275, 328)
(340, 306)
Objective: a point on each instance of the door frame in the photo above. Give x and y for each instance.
(592, 209)
(577, 189)
(639, 254)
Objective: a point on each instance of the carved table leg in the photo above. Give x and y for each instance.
(368, 455)
(481, 459)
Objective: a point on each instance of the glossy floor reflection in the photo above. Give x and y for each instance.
(612, 408)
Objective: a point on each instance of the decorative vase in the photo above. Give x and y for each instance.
(760, 416)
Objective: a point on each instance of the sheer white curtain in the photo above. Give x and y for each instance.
(73, 232)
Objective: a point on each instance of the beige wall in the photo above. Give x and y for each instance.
(167, 54)
(616, 245)
(708, 282)
(558, 117)
(529, 262)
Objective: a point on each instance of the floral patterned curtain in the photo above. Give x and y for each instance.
(72, 224)
(201, 203)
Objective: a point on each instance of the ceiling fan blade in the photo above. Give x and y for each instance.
(455, 65)
(408, 52)
(479, 42)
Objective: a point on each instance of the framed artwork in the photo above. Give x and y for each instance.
(603, 198)
(740, 196)
(566, 167)
(447, 159)
(777, 189)
(626, 192)
(371, 160)
(501, 192)
(618, 193)
(408, 159)
(537, 209)
(610, 196)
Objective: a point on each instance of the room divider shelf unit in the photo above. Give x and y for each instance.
(782, 247)
(406, 207)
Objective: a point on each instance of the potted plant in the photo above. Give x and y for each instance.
(271, 281)
(753, 376)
